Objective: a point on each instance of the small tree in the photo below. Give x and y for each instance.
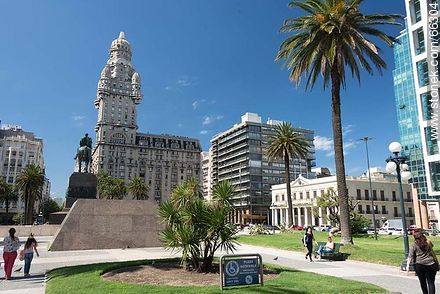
(196, 227)
(30, 183)
(138, 188)
(109, 187)
(7, 195)
(330, 200)
(49, 206)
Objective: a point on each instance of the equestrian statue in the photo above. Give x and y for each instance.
(84, 154)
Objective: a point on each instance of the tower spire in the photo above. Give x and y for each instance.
(121, 35)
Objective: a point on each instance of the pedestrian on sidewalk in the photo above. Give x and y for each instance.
(425, 262)
(10, 246)
(28, 252)
(308, 242)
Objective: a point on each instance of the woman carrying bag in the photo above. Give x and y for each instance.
(425, 262)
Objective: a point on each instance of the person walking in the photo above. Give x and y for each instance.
(308, 242)
(10, 246)
(425, 262)
(29, 247)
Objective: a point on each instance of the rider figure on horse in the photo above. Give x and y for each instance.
(84, 152)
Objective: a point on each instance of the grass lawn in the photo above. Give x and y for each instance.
(86, 279)
(386, 250)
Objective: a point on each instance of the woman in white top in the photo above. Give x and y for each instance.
(10, 246)
(28, 253)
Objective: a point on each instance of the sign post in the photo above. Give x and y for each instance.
(241, 270)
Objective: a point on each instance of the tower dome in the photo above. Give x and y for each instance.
(135, 79)
(121, 47)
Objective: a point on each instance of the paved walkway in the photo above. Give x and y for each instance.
(385, 276)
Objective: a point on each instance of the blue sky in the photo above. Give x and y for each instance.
(202, 64)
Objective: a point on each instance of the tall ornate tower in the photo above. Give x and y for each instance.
(119, 91)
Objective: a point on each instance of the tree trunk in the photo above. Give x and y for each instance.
(289, 193)
(339, 156)
(7, 210)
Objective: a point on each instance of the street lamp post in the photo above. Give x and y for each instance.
(397, 164)
(272, 209)
(366, 139)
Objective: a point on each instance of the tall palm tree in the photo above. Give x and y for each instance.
(30, 183)
(287, 144)
(138, 188)
(7, 195)
(333, 35)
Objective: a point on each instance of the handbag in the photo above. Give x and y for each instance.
(437, 265)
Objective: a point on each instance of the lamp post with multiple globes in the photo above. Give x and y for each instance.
(396, 163)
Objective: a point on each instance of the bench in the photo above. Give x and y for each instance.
(335, 255)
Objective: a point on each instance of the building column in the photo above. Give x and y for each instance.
(320, 215)
(272, 213)
(306, 216)
(424, 214)
(276, 217)
(327, 210)
(293, 215)
(299, 217)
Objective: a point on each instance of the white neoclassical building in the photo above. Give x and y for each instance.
(385, 194)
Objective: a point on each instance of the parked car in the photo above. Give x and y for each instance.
(431, 232)
(396, 231)
(383, 231)
(297, 228)
(325, 228)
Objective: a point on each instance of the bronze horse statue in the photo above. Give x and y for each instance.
(84, 154)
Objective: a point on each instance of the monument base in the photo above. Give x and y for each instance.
(109, 224)
(81, 186)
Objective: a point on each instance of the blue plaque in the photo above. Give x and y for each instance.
(241, 271)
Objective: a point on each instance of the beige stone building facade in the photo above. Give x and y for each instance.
(19, 148)
(162, 161)
(385, 194)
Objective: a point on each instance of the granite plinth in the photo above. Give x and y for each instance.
(109, 224)
(81, 186)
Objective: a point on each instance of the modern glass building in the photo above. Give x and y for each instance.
(407, 114)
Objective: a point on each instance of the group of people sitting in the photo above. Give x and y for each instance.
(308, 243)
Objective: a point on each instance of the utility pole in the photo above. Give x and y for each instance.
(366, 139)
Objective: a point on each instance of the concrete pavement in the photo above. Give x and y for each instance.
(385, 276)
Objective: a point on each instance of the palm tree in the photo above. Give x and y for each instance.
(138, 188)
(332, 35)
(30, 184)
(7, 194)
(287, 144)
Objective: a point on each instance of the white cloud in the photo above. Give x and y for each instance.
(78, 117)
(349, 145)
(204, 132)
(322, 143)
(197, 103)
(210, 119)
(347, 129)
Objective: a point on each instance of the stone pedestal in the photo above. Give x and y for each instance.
(81, 186)
(109, 224)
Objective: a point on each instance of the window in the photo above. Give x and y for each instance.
(416, 13)
(384, 209)
(410, 212)
(307, 195)
(367, 194)
(360, 209)
(382, 195)
(425, 99)
(394, 196)
(422, 73)
(434, 169)
(396, 214)
(374, 195)
(368, 210)
(431, 141)
(419, 41)
(408, 196)
(300, 195)
(358, 194)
